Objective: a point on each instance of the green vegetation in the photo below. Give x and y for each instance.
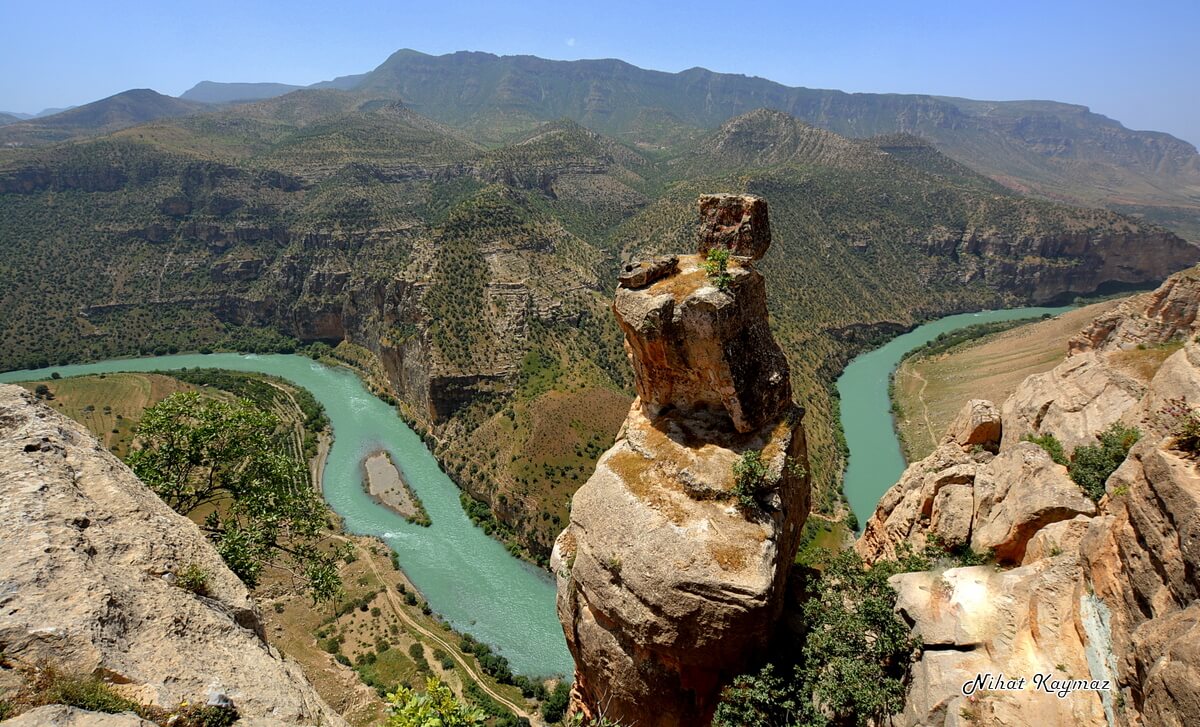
(853, 660)
(1050, 443)
(749, 477)
(555, 704)
(716, 267)
(224, 459)
(1092, 464)
(193, 578)
(946, 342)
(435, 707)
(1183, 422)
(48, 685)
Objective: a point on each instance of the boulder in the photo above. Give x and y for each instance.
(1074, 401)
(88, 558)
(983, 621)
(1165, 314)
(977, 424)
(736, 222)
(1020, 492)
(60, 715)
(693, 346)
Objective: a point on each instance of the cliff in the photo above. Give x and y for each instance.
(1103, 590)
(89, 566)
(672, 570)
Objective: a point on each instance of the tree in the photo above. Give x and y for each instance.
(202, 453)
(853, 662)
(435, 707)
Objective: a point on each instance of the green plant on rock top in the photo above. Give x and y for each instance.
(716, 267)
(435, 707)
(193, 578)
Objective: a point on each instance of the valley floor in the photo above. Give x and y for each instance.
(930, 391)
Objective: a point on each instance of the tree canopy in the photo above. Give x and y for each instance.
(229, 459)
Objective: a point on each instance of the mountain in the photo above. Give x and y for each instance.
(1056, 150)
(119, 111)
(219, 93)
(472, 282)
(8, 119)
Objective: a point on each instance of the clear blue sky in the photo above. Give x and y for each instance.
(1136, 61)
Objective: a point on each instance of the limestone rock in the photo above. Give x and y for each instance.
(737, 222)
(1074, 401)
(87, 554)
(1021, 491)
(977, 423)
(669, 584)
(980, 620)
(1166, 660)
(694, 347)
(1167, 313)
(59, 715)
(907, 509)
(1057, 538)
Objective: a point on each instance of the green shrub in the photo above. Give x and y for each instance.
(716, 267)
(1050, 443)
(1091, 465)
(193, 578)
(89, 692)
(555, 705)
(749, 477)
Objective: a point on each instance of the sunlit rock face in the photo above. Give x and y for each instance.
(668, 584)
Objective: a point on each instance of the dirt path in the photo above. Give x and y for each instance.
(398, 609)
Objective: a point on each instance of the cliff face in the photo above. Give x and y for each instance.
(1104, 591)
(88, 561)
(667, 582)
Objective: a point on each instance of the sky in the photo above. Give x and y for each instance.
(1135, 61)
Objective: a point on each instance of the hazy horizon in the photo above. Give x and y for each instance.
(1132, 64)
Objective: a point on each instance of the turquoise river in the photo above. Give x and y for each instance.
(875, 459)
(467, 577)
(470, 579)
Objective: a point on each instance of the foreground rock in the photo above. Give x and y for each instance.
(1107, 593)
(667, 585)
(88, 558)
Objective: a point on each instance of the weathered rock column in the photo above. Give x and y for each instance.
(667, 584)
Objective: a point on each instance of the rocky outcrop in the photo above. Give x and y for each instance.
(1073, 401)
(671, 572)
(1165, 314)
(1105, 592)
(963, 495)
(89, 559)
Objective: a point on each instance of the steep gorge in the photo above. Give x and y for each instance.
(1103, 590)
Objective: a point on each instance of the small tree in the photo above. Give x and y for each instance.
(716, 267)
(749, 478)
(436, 707)
(202, 453)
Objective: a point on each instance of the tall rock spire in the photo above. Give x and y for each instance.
(671, 572)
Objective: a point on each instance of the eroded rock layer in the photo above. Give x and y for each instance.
(1106, 592)
(88, 558)
(671, 574)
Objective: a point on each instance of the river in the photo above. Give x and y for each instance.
(468, 578)
(876, 462)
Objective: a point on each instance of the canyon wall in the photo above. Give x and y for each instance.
(1105, 591)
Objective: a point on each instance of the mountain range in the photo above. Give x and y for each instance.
(455, 224)
(1055, 150)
